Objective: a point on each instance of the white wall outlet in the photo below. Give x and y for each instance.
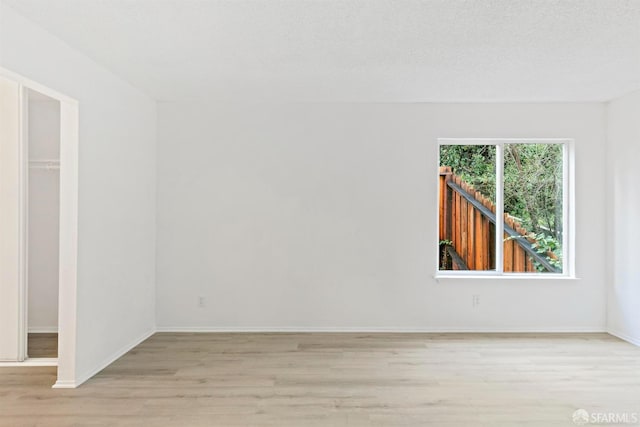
(201, 302)
(475, 301)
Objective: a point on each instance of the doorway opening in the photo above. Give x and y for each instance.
(38, 226)
(43, 228)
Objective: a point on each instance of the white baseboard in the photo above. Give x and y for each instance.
(106, 362)
(65, 384)
(43, 329)
(433, 330)
(625, 337)
(38, 361)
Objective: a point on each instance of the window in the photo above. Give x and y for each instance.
(503, 207)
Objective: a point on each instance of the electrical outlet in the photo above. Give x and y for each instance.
(475, 301)
(201, 302)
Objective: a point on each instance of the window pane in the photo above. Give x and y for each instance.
(533, 208)
(467, 202)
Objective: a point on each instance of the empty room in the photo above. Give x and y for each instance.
(319, 213)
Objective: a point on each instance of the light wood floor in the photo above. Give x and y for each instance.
(42, 345)
(338, 380)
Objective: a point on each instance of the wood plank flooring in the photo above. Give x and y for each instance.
(42, 345)
(347, 379)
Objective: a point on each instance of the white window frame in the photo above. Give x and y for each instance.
(568, 209)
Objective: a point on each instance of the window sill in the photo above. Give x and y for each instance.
(503, 277)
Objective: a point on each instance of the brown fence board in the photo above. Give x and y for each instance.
(471, 236)
(464, 253)
(479, 242)
(507, 254)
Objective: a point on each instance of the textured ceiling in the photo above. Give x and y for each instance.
(364, 50)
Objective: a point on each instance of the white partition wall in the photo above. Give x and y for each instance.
(115, 182)
(12, 230)
(624, 228)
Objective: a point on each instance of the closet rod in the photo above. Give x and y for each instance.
(48, 164)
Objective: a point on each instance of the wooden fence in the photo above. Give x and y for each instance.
(467, 221)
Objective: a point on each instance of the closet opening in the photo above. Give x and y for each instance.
(39, 138)
(43, 223)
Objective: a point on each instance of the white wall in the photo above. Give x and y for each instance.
(44, 216)
(116, 264)
(624, 151)
(324, 217)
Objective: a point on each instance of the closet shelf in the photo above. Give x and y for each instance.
(48, 164)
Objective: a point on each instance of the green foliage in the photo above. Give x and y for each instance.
(550, 248)
(533, 186)
(475, 164)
